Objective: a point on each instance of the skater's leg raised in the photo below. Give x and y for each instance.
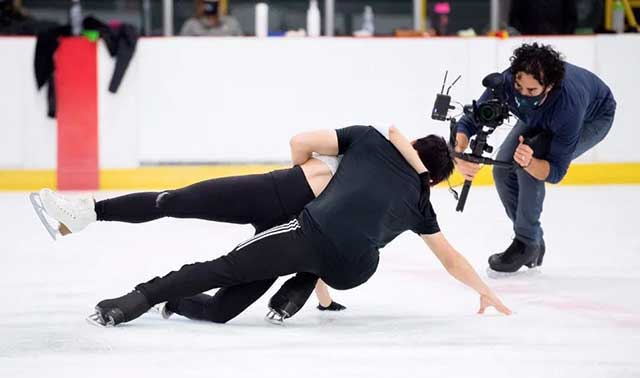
(239, 199)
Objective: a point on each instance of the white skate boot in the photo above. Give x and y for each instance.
(71, 214)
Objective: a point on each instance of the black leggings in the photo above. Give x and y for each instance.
(262, 200)
(293, 247)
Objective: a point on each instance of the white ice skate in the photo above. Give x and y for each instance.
(61, 215)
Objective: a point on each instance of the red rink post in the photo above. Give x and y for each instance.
(76, 81)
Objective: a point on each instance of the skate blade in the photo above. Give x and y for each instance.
(98, 320)
(521, 273)
(36, 202)
(161, 309)
(274, 318)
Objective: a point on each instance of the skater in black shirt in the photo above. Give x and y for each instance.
(263, 200)
(374, 196)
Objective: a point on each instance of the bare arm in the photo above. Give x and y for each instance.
(302, 145)
(458, 266)
(402, 144)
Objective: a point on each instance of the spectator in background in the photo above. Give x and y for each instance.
(209, 22)
(15, 21)
(538, 17)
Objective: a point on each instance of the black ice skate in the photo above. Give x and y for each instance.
(334, 306)
(111, 312)
(518, 254)
(163, 310)
(291, 297)
(280, 308)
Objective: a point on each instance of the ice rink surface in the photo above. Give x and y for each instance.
(578, 317)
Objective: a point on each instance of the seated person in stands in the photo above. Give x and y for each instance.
(209, 21)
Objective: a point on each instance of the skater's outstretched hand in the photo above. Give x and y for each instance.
(492, 301)
(461, 270)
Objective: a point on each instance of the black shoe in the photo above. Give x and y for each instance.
(334, 306)
(283, 306)
(280, 308)
(291, 297)
(111, 312)
(541, 250)
(517, 255)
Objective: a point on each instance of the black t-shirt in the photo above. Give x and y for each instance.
(373, 197)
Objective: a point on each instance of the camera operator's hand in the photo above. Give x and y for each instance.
(523, 154)
(467, 169)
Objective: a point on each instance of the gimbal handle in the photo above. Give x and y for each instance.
(463, 195)
(467, 183)
(482, 160)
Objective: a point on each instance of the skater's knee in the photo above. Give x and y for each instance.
(167, 202)
(219, 317)
(525, 178)
(219, 320)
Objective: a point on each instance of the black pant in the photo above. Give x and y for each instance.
(263, 200)
(293, 247)
(222, 306)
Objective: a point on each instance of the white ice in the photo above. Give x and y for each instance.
(579, 317)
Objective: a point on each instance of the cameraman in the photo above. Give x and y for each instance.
(565, 110)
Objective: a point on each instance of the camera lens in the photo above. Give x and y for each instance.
(487, 113)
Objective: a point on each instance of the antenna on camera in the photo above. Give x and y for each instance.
(444, 82)
(452, 84)
(443, 100)
(487, 114)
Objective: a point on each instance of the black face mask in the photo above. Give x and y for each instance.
(528, 103)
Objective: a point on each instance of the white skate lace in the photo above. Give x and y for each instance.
(64, 209)
(75, 206)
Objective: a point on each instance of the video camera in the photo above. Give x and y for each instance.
(487, 115)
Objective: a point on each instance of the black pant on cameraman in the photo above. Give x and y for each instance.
(263, 200)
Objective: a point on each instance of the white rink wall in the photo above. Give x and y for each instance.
(241, 99)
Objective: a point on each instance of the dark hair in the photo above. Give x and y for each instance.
(435, 154)
(540, 61)
(208, 7)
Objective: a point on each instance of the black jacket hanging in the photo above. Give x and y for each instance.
(121, 43)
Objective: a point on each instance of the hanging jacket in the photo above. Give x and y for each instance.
(121, 43)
